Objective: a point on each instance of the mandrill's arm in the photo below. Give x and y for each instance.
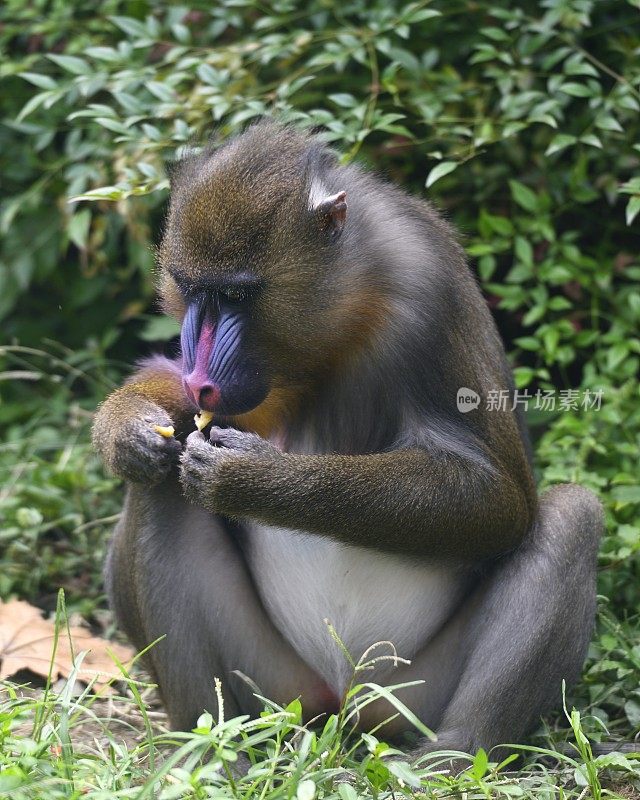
(416, 501)
(124, 429)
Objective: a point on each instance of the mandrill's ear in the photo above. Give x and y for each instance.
(332, 213)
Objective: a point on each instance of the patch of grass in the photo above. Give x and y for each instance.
(58, 746)
(57, 505)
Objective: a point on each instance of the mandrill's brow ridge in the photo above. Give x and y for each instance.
(240, 279)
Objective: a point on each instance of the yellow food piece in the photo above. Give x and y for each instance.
(167, 431)
(202, 419)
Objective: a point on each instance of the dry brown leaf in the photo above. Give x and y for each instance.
(26, 642)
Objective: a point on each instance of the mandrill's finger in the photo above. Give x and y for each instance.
(242, 441)
(197, 449)
(234, 439)
(221, 436)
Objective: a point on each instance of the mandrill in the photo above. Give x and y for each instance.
(328, 322)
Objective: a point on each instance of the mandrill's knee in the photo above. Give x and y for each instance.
(571, 518)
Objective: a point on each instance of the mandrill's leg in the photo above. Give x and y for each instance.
(176, 570)
(498, 664)
(528, 627)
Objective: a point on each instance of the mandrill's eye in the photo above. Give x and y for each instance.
(235, 294)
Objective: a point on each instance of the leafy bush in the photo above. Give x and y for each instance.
(521, 120)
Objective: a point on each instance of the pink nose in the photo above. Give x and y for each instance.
(205, 395)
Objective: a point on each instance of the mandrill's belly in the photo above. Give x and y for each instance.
(368, 597)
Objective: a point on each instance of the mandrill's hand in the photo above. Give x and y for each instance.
(208, 467)
(125, 434)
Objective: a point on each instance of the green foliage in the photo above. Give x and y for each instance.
(520, 120)
(44, 751)
(542, 99)
(56, 504)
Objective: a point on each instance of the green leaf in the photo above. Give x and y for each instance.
(390, 697)
(591, 139)
(617, 354)
(295, 706)
(551, 337)
(161, 91)
(523, 249)
(29, 517)
(181, 32)
(132, 27)
(103, 193)
(306, 790)
(130, 103)
(501, 225)
(403, 771)
(343, 100)
(519, 273)
(346, 791)
(32, 104)
(626, 494)
(486, 267)
(559, 142)
(559, 303)
(78, 228)
(480, 764)
(523, 196)
(208, 74)
(151, 132)
(497, 34)
(104, 53)
(632, 710)
(527, 343)
(73, 64)
(576, 65)
(523, 376)
(576, 89)
(148, 170)
(534, 314)
(11, 778)
(607, 122)
(41, 81)
(633, 207)
(634, 303)
(439, 171)
(112, 125)
(204, 723)
(421, 14)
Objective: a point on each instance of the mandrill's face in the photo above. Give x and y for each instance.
(222, 368)
(246, 263)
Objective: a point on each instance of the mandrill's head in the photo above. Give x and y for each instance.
(253, 264)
